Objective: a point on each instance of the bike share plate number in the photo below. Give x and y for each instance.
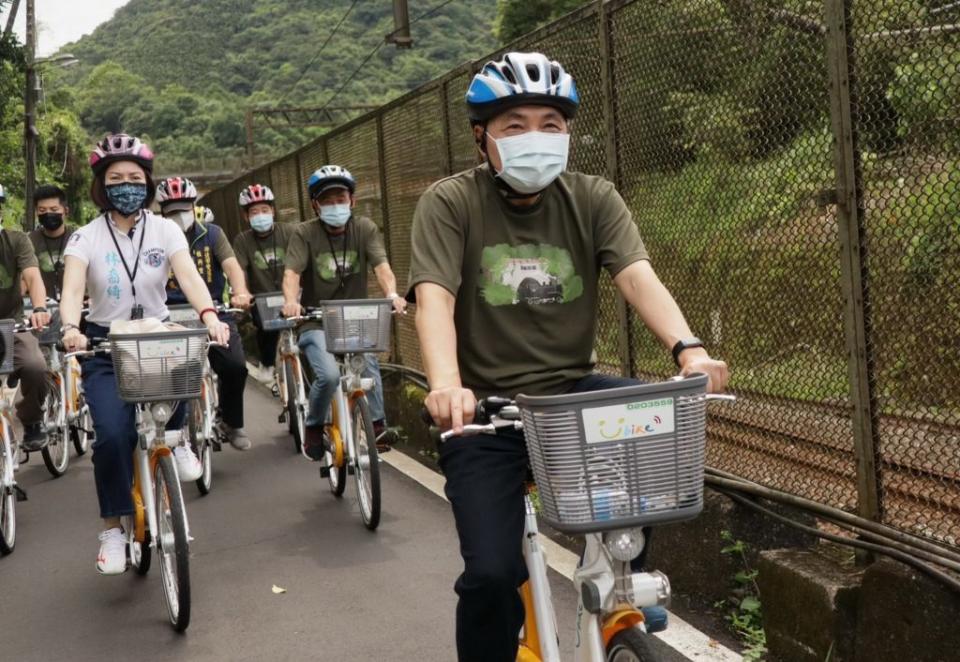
(354, 313)
(632, 420)
(163, 349)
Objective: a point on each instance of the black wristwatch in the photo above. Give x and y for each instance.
(41, 309)
(682, 344)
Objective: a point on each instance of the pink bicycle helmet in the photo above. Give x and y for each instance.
(255, 194)
(176, 189)
(120, 147)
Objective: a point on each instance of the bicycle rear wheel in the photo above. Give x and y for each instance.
(630, 645)
(81, 432)
(56, 454)
(8, 503)
(173, 549)
(296, 417)
(366, 464)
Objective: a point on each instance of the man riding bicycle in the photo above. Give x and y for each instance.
(214, 259)
(50, 238)
(335, 250)
(261, 251)
(505, 271)
(18, 262)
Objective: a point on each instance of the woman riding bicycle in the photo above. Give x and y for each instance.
(123, 258)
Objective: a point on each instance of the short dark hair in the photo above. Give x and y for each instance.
(98, 191)
(47, 191)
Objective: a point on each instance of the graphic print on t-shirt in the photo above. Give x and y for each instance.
(528, 273)
(330, 266)
(268, 260)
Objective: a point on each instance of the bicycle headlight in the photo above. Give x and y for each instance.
(162, 412)
(357, 363)
(624, 545)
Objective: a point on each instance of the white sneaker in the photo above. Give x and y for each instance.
(112, 559)
(188, 466)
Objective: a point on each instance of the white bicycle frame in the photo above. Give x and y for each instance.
(350, 381)
(147, 435)
(11, 447)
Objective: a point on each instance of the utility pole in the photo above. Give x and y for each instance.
(29, 118)
(400, 36)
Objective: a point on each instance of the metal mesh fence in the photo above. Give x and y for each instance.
(793, 168)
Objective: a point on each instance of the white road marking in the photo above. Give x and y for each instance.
(681, 636)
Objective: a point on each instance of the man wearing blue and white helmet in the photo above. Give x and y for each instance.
(505, 271)
(330, 256)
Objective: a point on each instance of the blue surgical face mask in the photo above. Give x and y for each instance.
(261, 222)
(533, 160)
(127, 198)
(336, 215)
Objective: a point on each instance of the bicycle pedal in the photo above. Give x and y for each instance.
(20, 492)
(282, 418)
(324, 472)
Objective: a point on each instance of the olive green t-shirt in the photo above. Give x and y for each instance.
(335, 266)
(525, 282)
(262, 257)
(16, 254)
(49, 252)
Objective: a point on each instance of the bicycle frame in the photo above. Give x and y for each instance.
(146, 455)
(10, 445)
(352, 386)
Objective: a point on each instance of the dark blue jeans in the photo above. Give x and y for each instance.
(486, 476)
(115, 427)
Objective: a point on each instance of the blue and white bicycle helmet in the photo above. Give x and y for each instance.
(518, 79)
(328, 177)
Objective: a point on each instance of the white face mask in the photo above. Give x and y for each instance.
(532, 160)
(185, 219)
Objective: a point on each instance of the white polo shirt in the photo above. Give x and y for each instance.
(111, 296)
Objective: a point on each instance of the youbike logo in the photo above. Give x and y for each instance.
(628, 421)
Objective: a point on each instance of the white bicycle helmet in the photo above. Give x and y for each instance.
(3, 194)
(518, 79)
(328, 177)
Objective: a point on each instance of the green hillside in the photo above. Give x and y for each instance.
(182, 71)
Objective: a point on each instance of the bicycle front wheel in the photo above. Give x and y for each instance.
(296, 418)
(630, 645)
(56, 454)
(8, 503)
(201, 445)
(173, 548)
(82, 430)
(366, 464)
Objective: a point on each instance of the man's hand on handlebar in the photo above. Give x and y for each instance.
(39, 320)
(241, 300)
(452, 407)
(292, 310)
(716, 371)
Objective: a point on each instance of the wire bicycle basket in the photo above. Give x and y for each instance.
(269, 307)
(162, 366)
(355, 326)
(620, 458)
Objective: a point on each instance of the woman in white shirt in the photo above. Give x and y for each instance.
(123, 259)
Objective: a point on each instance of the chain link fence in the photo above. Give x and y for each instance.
(794, 169)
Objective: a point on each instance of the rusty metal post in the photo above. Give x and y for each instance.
(387, 237)
(850, 217)
(613, 166)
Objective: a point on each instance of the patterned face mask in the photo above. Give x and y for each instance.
(127, 198)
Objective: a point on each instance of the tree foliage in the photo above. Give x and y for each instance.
(516, 18)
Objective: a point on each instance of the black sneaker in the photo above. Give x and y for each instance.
(385, 436)
(34, 438)
(315, 445)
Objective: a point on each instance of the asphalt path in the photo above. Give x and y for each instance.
(270, 520)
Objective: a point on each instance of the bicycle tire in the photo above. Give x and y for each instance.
(630, 645)
(295, 417)
(56, 454)
(139, 554)
(8, 504)
(366, 478)
(174, 562)
(201, 447)
(82, 430)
